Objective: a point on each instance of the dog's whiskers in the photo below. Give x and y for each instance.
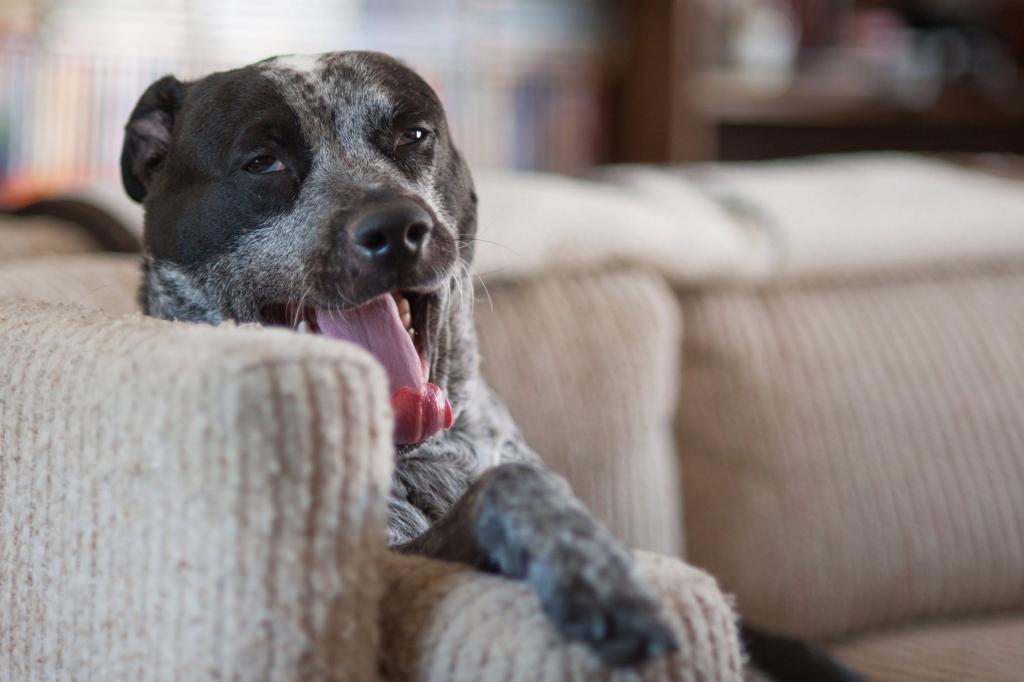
(490, 302)
(462, 273)
(344, 299)
(458, 283)
(300, 310)
(466, 240)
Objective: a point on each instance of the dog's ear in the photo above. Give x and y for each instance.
(147, 137)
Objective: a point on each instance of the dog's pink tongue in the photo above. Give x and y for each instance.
(421, 409)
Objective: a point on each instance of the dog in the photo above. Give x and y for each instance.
(324, 194)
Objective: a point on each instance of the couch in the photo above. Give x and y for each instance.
(850, 428)
(185, 502)
(817, 372)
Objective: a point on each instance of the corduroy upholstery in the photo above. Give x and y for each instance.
(200, 462)
(607, 431)
(978, 650)
(107, 282)
(445, 623)
(853, 451)
(179, 502)
(588, 367)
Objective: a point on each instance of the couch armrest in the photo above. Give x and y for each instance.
(184, 502)
(441, 621)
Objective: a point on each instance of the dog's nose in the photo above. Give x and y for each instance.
(395, 232)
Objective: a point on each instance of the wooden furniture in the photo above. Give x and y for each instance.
(673, 104)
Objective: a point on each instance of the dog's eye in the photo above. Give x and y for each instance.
(413, 136)
(264, 164)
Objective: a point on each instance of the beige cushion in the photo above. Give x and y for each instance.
(863, 212)
(588, 366)
(795, 218)
(30, 237)
(989, 650)
(540, 223)
(761, 221)
(179, 502)
(854, 452)
(107, 282)
(445, 623)
(613, 338)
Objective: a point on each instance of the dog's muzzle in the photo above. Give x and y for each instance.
(389, 241)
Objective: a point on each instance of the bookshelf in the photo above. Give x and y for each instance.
(523, 81)
(690, 104)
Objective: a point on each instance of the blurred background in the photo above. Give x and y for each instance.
(538, 84)
(522, 80)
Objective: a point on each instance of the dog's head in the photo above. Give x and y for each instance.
(319, 193)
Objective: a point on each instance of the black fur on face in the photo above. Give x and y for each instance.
(252, 179)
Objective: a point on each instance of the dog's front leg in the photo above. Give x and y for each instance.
(523, 522)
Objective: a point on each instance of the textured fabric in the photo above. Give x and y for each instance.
(760, 221)
(588, 366)
(445, 623)
(611, 337)
(106, 282)
(179, 502)
(862, 212)
(854, 453)
(535, 224)
(853, 213)
(29, 237)
(990, 650)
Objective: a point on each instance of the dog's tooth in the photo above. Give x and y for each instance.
(302, 327)
(404, 311)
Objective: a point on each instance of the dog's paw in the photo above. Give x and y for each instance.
(620, 623)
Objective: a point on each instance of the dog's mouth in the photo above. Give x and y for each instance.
(392, 327)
